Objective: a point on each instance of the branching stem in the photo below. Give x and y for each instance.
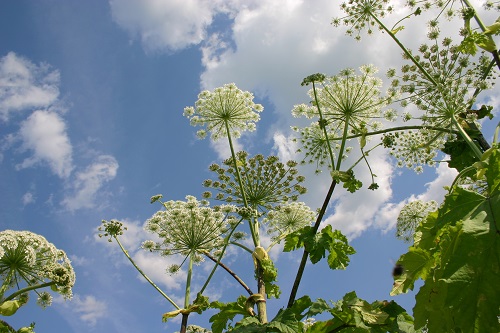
(144, 275)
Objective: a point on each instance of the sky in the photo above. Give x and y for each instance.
(91, 126)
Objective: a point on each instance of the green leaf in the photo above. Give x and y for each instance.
(300, 305)
(333, 242)
(457, 253)
(249, 325)
(416, 264)
(284, 322)
(227, 312)
(299, 238)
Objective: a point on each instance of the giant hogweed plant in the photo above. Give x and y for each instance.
(455, 249)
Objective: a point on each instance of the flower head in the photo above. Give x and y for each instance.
(289, 218)
(28, 260)
(415, 149)
(188, 228)
(343, 102)
(448, 87)
(225, 111)
(412, 214)
(361, 14)
(266, 181)
(352, 99)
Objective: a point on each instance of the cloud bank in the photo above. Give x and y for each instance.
(44, 136)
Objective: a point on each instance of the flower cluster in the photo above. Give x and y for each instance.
(28, 260)
(189, 227)
(446, 84)
(343, 102)
(415, 149)
(448, 8)
(111, 229)
(362, 14)
(410, 217)
(289, 218)
(226, 111)
(266, 181)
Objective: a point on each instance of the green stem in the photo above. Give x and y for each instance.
(253, 232)
(481, 25)
(242, 246)
(342, 144)
(188, 281)
(226, 243)
(26, 289)
(322, 123)
(398, 128)
(467, 138)
(144, 275)
(405, 50)
(184, 323)
(303, 261)
(227, 269)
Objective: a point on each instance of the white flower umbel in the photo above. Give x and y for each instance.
(412, 214)
(188, 228)
(29, 262)
(287, 219)
(226, 111)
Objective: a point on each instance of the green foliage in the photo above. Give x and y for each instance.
(352, 314)
(457, 254)
(227, 312)
(269, 275)
(319, 244)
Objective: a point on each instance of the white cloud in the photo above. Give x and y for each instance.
(165, 25)
(353, 213)
(44, 133)
(89, 182)
(88, 308)
(284, 146)
(24, 85)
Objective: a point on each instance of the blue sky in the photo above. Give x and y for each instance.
(91, 126)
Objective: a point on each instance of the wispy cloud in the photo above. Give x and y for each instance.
(87, 307)
(24, 85)
(88, 183)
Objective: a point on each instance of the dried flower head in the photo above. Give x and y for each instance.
(266, 181)
(29, 260)
(188, 228)
(225, 111)
(412, 214)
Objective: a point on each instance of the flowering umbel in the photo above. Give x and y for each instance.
(344, 104)
(410, 217)
(28, 260)
(225, 111)
(188, 227)
(288, 218)
(266, 181)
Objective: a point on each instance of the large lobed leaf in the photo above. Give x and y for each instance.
(457, 254)
(318, 245)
